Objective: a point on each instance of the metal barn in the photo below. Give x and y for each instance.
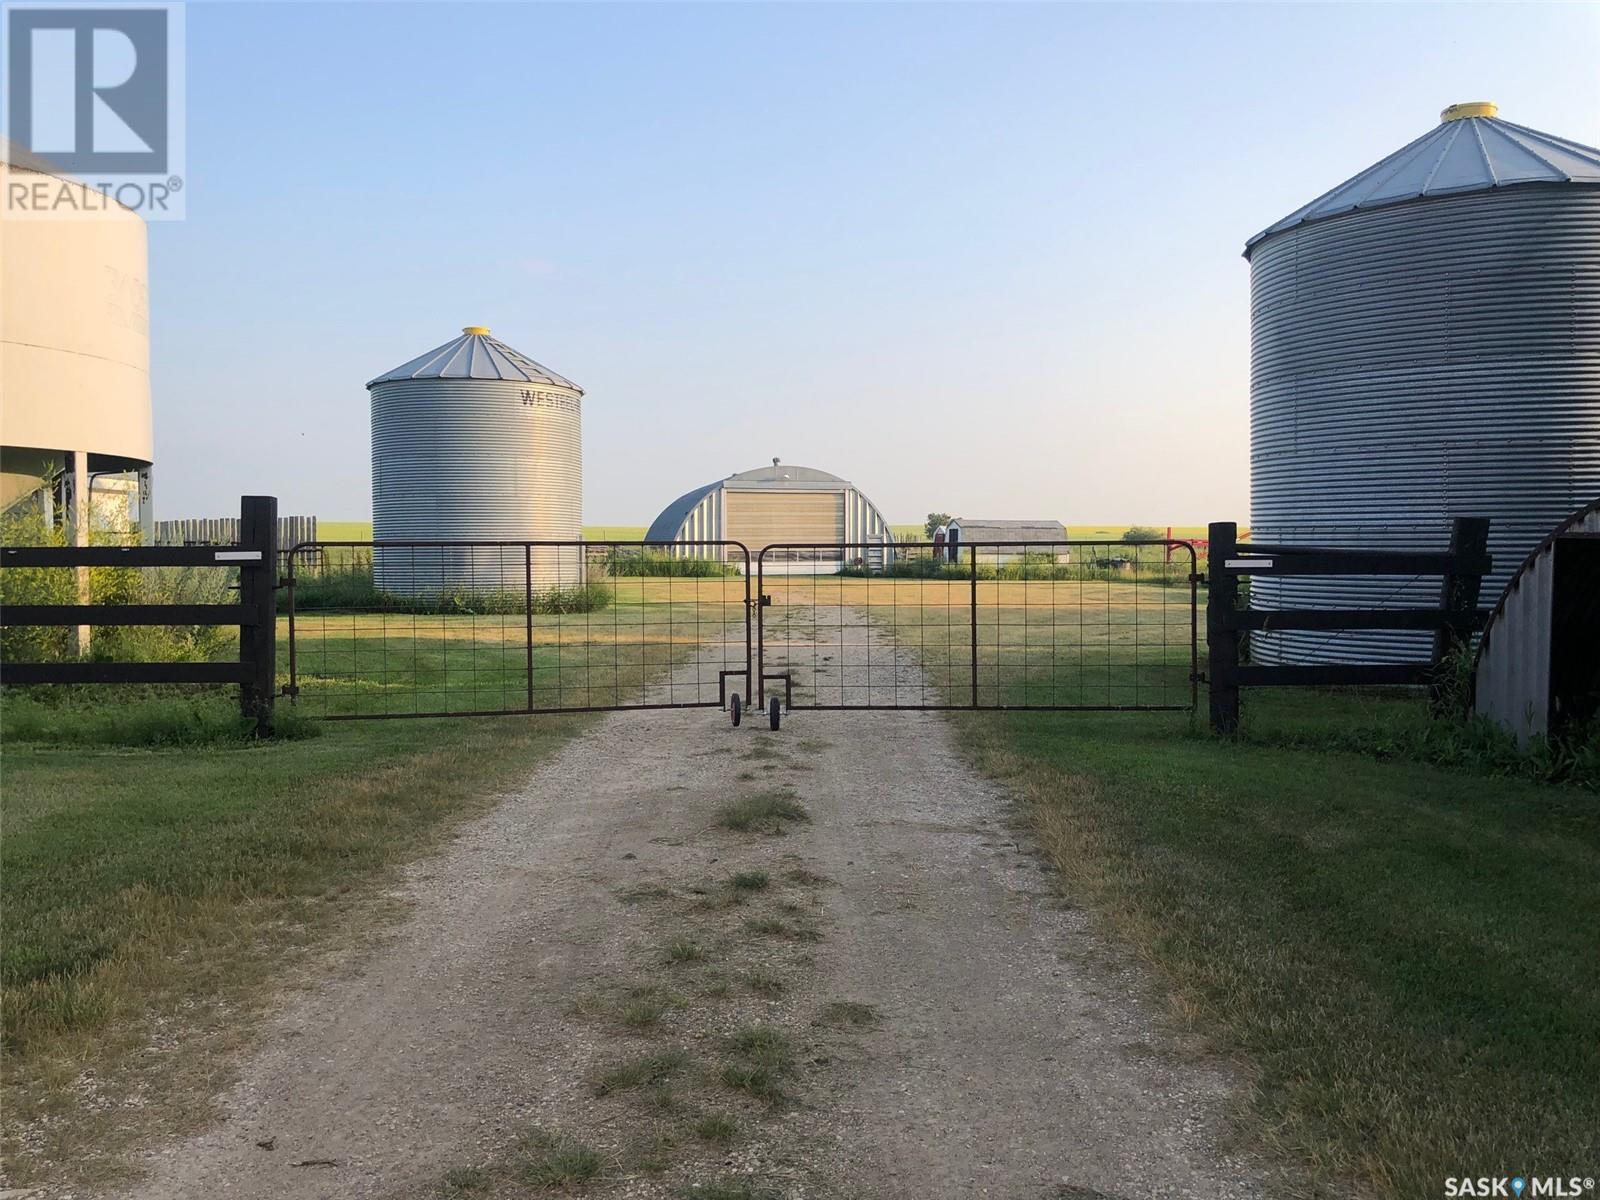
(1538, 666)
(977, 531)
(780, 504)
(1425, 344)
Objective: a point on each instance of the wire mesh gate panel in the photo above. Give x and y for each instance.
(991, 625)
(434, 628)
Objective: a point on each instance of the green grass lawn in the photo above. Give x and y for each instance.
(1089, 642)
(1406, 955)
(621, 654)
(160, 893)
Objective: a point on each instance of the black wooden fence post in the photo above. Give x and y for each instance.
(972, 599)
(1458, 599)
(1222, 638)
(258, 595)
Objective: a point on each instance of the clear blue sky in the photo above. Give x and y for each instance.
(980, 258)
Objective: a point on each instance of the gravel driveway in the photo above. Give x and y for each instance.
(959, 1029)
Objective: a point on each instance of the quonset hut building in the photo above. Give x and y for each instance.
(780, 504)
(1425, 344)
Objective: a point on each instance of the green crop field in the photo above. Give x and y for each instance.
(344, 531)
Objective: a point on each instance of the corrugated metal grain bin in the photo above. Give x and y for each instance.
(1425, 344)
(476, 441)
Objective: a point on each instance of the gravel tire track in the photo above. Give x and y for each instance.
(1019, 1055)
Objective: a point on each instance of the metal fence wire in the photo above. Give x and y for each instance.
(387, 629)
(1040, 625)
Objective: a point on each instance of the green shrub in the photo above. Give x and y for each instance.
(631, 562)
(353, 590)
(109, 586)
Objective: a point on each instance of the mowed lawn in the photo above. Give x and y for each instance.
(1405, 956)
(1081, 642)
(620, 655)
(153, 896)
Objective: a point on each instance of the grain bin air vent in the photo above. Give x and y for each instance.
(475, 441)
(1425, 343)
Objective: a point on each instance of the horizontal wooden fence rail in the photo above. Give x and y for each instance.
(1461, 569)
(128, 556)
(256, 557)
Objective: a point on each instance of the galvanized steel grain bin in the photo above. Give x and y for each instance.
(474, 441)
(1425, 344)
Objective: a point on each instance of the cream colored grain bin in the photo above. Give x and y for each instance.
(74, 340)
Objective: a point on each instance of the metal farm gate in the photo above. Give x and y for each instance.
(454, 628)
(485, 628)
(1083, 625)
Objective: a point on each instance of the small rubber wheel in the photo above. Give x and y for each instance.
(774, 712)
(737, 709)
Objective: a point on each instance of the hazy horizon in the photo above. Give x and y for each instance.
(984, 259)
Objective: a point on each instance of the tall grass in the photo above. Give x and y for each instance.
(135, 715)
(354, 590)
(628, 562)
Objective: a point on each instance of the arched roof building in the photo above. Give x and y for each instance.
(777, 504)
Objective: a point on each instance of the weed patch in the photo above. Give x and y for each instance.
(718, 1128)
(645, 895)
(778, 927)
(847, 1013)
(557, 1161)
(764, 812)
(725, 1189)
(683, 950)
(645, 1069)
(765, 983)
(763, 1056)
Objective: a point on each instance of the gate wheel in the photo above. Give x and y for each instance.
(736, 708)
(774, 712)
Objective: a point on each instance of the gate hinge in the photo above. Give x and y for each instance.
(766, 601)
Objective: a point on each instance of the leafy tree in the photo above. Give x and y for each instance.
(935, 519)
(1143, 533)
